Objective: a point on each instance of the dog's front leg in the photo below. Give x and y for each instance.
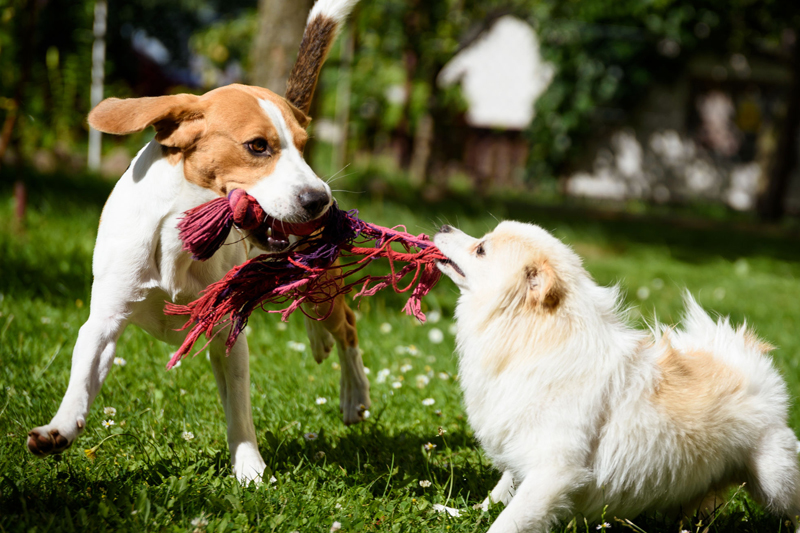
(535, 506)
(232, 374)
(340, 325)
(92, 359)
(502, 493)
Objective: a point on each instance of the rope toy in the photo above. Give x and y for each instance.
(296, 275)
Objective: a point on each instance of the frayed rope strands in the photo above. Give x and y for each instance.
(299, 274)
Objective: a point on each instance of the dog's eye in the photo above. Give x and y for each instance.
(479, 251)
(258, 146)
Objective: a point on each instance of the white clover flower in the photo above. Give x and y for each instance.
(184, 392)
(434, 316)
(422, 381)
(187, 436)
(248, 330)
(109, 411)
(428, 402)
(200, 521)
(452, 329)
(119, 361)
(335, 365)
(386, 328)
(108, 423)
(439, 508)
(336, 526)
(413, 350)
(382, 375)
(444, 375)
(643, 293)
(405, 368)
(424, 483)
(396, 385)
(281, 326)
(322, 401)
(296, 346)
(337, 506)
(367, 371)
(310, 436)
(400, 350)
(436, 336)
(273, 479)
(365, 414)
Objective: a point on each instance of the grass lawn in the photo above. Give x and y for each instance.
(164, 462)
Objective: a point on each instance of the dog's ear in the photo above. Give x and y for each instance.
(545, 288)
(302, 119)
(178, 119)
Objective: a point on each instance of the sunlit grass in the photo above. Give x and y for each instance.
(152, 476)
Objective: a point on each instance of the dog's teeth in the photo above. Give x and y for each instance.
(269, 232)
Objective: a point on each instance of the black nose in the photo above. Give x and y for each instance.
(446, 229)
(313, 201)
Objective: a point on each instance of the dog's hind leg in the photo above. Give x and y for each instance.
(340, 326)
(232, 373)
(773, 474)
(320, 339)
(92, 359)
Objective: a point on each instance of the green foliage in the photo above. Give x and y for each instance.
(227, 40)
(149, 477)
(607, 54)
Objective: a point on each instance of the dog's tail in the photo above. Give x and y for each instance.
(324, 22)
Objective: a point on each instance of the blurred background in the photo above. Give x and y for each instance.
(658, 138)
(665, 106)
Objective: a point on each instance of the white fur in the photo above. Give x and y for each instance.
(338, 10)
(277, 193)
(572, 419)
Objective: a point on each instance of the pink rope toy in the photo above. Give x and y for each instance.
(297, 274)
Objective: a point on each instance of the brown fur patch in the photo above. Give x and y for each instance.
(695, 390)
(317, 40)
(209, 133)
(545, 289)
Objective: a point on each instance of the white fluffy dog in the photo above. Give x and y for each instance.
(582, 412)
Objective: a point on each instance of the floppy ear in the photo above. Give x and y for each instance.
(178, 119)
(545, 289)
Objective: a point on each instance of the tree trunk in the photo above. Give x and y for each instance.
(98, 73)
(280, 30)
(772, 203)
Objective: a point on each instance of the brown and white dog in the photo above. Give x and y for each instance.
(587, 415)
(234, 137)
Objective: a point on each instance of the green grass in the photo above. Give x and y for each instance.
(147, 477)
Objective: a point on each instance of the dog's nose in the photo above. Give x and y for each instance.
(446, 229)
(313, 201)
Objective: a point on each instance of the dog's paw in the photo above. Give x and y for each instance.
(320, 339)
(248, 465)
(484, 505)
(49, 440)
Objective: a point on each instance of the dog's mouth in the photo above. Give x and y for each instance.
(451, 264)
(274, 234)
